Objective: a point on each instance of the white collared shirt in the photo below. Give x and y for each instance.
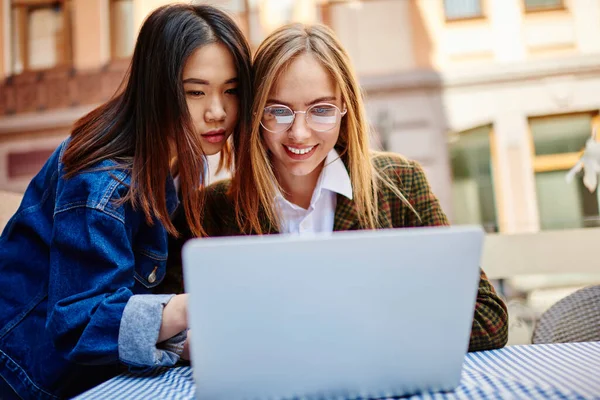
(319, 216)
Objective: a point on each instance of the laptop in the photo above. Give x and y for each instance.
(362, 314)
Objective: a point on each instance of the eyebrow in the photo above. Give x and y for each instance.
(315, 101)
(205, 82)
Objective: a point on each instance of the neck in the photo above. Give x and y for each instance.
(298, 189)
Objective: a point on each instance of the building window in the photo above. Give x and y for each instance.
(473, 194)
(41, 34)
(543, 5)
(122, 36)
(557, 142)
(462, 9)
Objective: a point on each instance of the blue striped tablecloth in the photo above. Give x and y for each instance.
(544, 371)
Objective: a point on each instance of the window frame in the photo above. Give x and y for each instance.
(557, 162)
(23, 9)
(532, 10)
(480, 16)
(496, 174)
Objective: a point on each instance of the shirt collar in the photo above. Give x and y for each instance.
(334, 176)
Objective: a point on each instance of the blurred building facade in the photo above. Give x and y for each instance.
(495, 98)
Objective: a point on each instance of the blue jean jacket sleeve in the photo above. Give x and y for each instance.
(139, 331)
(91, 279)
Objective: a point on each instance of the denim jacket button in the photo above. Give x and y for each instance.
(152, 276)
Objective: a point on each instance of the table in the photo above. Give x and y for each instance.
(548, 371)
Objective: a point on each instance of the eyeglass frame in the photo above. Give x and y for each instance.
(294, 112)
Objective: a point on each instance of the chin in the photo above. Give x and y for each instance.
(302, 170)
(211, 149)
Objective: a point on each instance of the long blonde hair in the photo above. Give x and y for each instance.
(254, 185)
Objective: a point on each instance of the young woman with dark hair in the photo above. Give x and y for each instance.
(83, 254)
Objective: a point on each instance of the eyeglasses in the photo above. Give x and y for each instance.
(320, 117)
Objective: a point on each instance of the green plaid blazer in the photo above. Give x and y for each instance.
(490, 322)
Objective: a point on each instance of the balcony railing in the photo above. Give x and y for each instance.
(59, 88)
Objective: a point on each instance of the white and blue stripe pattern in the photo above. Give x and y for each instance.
(161, 383)
(544, 371)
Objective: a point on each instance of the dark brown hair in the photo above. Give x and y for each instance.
(134, 127)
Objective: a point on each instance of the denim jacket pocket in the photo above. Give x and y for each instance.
(150, 267)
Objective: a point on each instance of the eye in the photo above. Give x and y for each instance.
(279, 111)
(195, 93)
(233, 91)
(322, 110)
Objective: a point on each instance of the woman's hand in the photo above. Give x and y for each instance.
(174, 318)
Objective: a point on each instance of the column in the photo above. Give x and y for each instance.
(91, 34)
(516, 182)
(4, 39)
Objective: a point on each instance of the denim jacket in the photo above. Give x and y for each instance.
(72, 262)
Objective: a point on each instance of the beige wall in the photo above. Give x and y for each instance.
(4, 33)
(423, 44)
(91, 39)
(586, 14)
(550, 31)
(377, 35)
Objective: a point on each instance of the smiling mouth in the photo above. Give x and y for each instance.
(296, 153)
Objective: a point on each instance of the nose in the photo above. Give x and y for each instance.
(299, 131)
(216, 110)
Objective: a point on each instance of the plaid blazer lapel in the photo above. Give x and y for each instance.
(346, 217)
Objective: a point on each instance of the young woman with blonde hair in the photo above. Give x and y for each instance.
(306, 165)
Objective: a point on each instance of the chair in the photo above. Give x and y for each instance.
(576, 318)
(544, 267)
